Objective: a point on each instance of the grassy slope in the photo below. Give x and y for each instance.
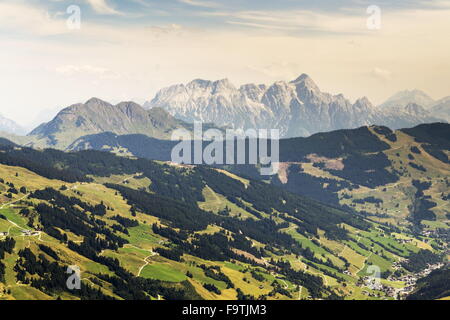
(139, 258)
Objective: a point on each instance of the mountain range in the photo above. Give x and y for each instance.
(297, 108)
(98, 116)
(336, 167)
(8, 126)
(437, 108)
(403, 98)
(148, 230)
(442, 109)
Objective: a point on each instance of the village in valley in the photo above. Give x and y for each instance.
(409, 281)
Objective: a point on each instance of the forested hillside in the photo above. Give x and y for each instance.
(140, 229)
(372, 170)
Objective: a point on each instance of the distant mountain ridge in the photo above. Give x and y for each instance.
(403, 98)
(329, 144)
(97, 116)
(437, 108)
(296, 108)
(10, 127)
(340, 168)
(212, 232)
(334, 144)
(442, 108)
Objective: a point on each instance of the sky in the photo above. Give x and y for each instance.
(129, 49)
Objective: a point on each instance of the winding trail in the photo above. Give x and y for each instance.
(365, 262)
(146, 263)
(12, 202)
(9, 204)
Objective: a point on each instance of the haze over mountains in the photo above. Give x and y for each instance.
(437, 108)
(9, 126)
(142, 229)
(297, 108)
(442, 108)
(403, 98)
(341, 202)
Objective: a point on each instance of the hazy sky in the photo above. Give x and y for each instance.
(128, 49)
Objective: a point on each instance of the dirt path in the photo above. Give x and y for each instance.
(8, 204)
(365, 262)
(146, 263)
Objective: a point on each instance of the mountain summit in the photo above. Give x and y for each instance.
(97, 116)
(10, 127)
(297, 108)
(403, 98)
(306, 82)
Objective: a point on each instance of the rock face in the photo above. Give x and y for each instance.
(10, 127)
(296, 108)
(97, 116)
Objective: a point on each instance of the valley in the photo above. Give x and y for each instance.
(223, 159)
(224, 241)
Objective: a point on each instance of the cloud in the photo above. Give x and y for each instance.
(102, 7)
(75, 70)
(296, 20)
(18, 17)
(438, 4)
(282, 70)
(200, 3)
(57, 66)
(261, 25)
(381, 74)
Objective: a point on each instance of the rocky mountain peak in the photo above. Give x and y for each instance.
(97, 116)
(303, 77)
(296, 108)
(198, 83)
(253, 91)
(96, 101)
(364, 103)
(403, 98)
(223, 85)
(307, 82)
